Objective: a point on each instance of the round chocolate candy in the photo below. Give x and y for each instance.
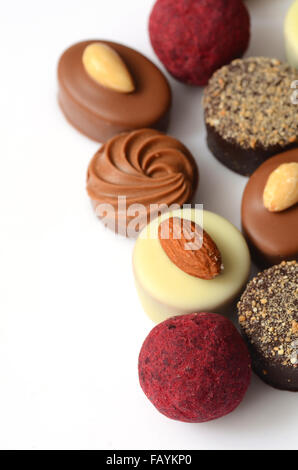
(249, 113)
(291, 34)
(268, 316)
(176, 275)
(271, 236)
(96, 108)
(195, 368)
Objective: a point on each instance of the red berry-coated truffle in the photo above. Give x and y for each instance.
(193, 38)
(195, 367)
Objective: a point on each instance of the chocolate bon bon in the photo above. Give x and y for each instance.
(268, 317)
(101, 112)
(194, 38)
(272, 236)
(291, 34)
(249, 113)
(147, 167)
(195, 368)
(166, 289)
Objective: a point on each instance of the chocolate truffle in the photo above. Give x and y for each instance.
(193, 38)
(204, 272)
(249, 113)
(100, 111)
(151, 170)
(195, 368)
(268, 316)
(272, 236)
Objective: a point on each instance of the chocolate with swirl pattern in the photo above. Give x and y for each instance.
(147, 167)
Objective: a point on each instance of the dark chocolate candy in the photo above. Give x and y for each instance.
(272, 236)
(148, 168)
(249, 113)
(268, 317)
(99, 112)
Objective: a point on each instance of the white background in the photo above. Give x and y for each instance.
(71, 325)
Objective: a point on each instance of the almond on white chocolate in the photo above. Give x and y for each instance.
(173, 281)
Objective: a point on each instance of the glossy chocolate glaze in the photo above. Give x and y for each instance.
(99, 112)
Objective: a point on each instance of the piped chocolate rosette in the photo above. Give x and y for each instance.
(106, 88)
(136, 176)
(268, 318)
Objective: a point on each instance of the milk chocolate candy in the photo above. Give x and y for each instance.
(100, 111)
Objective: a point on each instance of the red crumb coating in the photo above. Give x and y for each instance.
(193, 38)
(195, 368)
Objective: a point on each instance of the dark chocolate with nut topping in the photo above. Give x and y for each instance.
(249, 113)
(268, 317)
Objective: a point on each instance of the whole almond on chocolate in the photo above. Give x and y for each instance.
(104, 65)
(281, 190)
(190, 248)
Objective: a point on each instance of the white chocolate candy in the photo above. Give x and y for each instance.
(291, 34)
(165, 290)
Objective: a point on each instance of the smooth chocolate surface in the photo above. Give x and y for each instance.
(148, 168)
(99, 112)
(280, 377)
(272, 236)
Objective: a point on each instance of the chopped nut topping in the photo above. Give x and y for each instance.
(274, 327)
(249, 102)
(295, 327)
